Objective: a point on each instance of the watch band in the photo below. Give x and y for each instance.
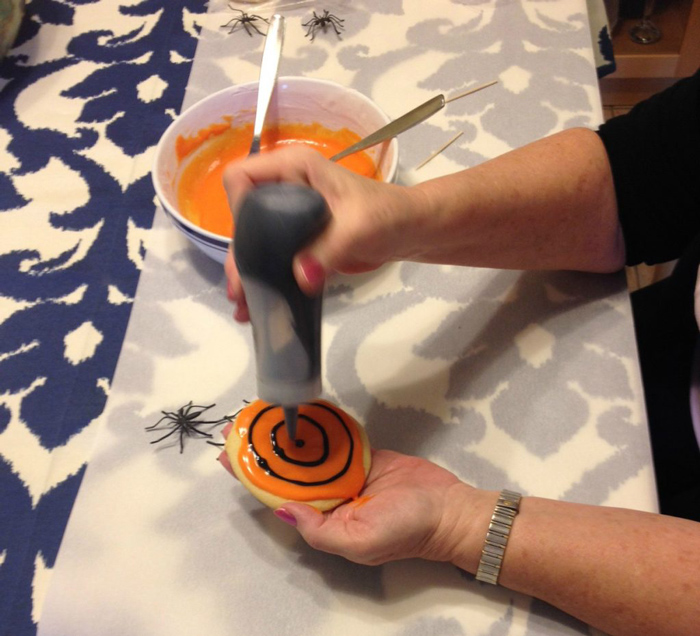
(507, 506)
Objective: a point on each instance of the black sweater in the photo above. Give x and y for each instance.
(654, 151)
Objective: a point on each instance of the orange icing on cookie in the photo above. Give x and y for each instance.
(324, 462)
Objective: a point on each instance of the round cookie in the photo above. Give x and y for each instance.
(326, 465)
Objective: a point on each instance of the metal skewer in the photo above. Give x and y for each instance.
(403, 123)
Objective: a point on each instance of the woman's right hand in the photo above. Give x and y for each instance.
(370, 224)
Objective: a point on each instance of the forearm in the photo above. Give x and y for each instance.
(622, 571)
(548, 205)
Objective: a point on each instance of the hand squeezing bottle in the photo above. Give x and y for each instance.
(273, 223)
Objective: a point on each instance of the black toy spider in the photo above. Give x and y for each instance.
(248, 22)
(323, 22)
(184, 422)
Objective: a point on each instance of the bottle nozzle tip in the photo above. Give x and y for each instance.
(291, 415)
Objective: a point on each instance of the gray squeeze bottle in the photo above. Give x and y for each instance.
(274, 221)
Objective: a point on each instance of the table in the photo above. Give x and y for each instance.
(510, 379)
(84, 96)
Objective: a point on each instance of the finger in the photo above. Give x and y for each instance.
(234, 289)
(242, 313)
(231, 271)
(316, 263)
(309, 273)
(287, 164)
(223, 456)
(322, 532)
(318, 259)
(226, 463)
(230, 268)
(237, 183)
(304, 518)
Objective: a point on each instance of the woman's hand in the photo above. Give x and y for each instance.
(548, 205)
(597, 563)
(370, 224)
(409, 507)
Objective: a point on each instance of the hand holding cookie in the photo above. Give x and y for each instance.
(406, 507)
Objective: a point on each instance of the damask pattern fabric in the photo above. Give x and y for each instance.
(523, 380)
(472, 374)
(71, 251)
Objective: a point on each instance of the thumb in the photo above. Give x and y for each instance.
(306, 519)
(319, 259)
(323, 257)
(320, 531)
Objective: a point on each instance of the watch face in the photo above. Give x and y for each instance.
(509, 499)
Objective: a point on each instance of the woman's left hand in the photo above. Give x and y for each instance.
(409, 507)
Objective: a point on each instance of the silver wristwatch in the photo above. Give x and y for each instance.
(507, 506)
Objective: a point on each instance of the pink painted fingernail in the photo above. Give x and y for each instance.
(286, 516)
(241, 313)
(312, 271)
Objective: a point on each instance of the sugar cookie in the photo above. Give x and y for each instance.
(326, 465)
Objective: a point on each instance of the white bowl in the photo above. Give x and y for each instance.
(295, 100)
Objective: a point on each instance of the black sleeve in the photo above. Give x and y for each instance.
(654, 152)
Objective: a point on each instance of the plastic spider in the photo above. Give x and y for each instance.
(184, 422)
(323, 22)
(248, 22)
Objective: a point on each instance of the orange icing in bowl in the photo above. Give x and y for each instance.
(204, 156)
(324, 462)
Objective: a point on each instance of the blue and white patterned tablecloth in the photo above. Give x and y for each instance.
(84, 96)
(507, 378)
